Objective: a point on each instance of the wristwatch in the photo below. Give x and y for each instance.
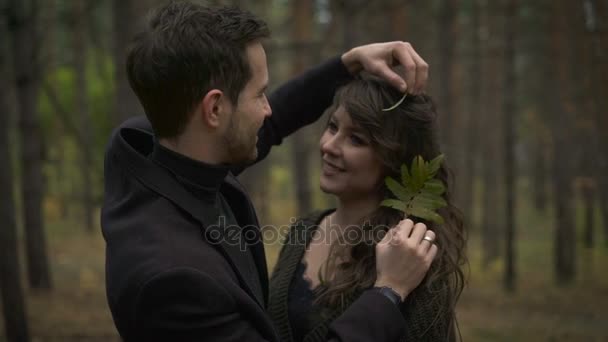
(389, 293)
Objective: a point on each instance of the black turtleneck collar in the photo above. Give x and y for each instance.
(202, 179)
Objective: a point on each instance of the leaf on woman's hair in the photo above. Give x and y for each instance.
(434, 186)
(426, 214)
(418, 173)
(398, 190)
(435, 164)
(405, 175)
(419, 194)
(393, 203)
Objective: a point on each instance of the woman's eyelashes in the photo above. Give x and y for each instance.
(355, 138)
(332, 127)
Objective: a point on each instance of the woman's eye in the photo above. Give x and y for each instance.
(331, 126)
(356, 140)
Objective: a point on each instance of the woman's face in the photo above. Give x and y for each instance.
(349, 167)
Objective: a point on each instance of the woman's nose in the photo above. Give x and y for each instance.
(330, 144)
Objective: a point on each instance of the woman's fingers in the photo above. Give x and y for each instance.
(388, 237)
(427, 241)
(431, 254)
(402, 231)
(418, 234)
(403, 257)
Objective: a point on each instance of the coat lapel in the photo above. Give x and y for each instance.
(236, 191)
(161, 182)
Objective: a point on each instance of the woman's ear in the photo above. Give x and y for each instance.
(212, 106)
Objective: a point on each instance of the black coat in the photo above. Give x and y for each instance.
(168, 278)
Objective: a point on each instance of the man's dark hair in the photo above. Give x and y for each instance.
(186, 50)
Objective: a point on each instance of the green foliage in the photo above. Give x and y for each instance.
(100, 92)
(419, 192)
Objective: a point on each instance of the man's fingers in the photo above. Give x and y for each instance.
(403, 53)
(392, 77)
(422, 72)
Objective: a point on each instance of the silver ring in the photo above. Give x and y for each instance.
(428, 238)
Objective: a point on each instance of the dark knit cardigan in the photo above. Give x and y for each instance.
(424, 309)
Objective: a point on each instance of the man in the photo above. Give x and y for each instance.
(173, 273)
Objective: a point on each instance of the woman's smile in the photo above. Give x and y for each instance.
(330, 168)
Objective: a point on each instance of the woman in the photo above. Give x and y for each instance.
(328, 258)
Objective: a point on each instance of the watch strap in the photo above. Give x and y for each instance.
(389, 293)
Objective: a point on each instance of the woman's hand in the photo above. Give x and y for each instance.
(404, 256)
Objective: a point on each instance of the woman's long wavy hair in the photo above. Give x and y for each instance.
(396, 137)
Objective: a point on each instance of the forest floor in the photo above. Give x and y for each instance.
(76, 309)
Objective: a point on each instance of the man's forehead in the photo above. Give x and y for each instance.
(257, 62)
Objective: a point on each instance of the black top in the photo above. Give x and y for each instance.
(204, 181)
(201, 179)
(300, 302)
(425, 317)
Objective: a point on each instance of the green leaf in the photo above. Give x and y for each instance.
(418, 173)
(428, 201)
(419, 194)
(425, 214)
(393, 203)
(405, 175)
(434, 186)
(398, 190)
(435, 164)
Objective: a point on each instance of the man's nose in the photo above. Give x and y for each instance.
(267, 108)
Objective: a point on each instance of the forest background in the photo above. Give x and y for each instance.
(522, 91)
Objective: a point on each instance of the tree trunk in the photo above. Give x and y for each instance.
(446, 39)
(538, 74)
(597, 27)
(491, 89)
(398, 20)
(588, 192)
(27, 69)
(565, 238)
(595, 157)
(13, 305)
(126, 104)
(348, 12)
(80, 20)
(539, 173)
(472, 124)
(510, 116)
(302, 12)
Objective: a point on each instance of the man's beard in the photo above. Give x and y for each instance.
(240, 143)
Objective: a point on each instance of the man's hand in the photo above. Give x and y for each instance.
(404, 256)
(377, 59)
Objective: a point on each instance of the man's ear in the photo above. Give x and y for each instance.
(212, 106)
